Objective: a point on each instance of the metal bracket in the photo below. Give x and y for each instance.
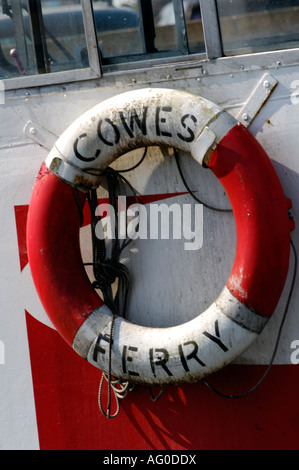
(257, 99)
(203, 145)
(40, 135)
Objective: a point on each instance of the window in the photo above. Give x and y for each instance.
(258, 25)
(40, 37)
(141, 29)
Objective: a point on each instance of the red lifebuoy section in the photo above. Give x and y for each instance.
(55, 257)
(262, 222)
(252, 290)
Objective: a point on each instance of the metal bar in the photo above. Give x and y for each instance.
(211, 29)
(49, 79)
(147, 25)
(19, 31)
(38, 36)
(91, 37)
(257, 99)
(180, 25)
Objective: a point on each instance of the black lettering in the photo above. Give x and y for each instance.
(98, 349)
(134, 118)
(192, 355)
(162, 120)
(78, 155)
(115, 130)
(160, 361)
(216, 338)
(190, 137)
(126, 358)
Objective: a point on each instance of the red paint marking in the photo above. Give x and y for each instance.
(21, 221)
(188, 417)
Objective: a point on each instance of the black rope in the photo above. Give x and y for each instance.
(252, 389)
(207, 206)
(153, 397)
(107, 270)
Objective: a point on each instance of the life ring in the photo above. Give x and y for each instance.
(181, 120)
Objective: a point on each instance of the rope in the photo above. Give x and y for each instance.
(107, 270)
(207, 206)
(156, 398)
(252, 389)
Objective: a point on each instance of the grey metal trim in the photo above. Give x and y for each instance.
(211, 29)
(180, 25)
(48, 79)
(257, 98)
(197, 66)
(91, 37)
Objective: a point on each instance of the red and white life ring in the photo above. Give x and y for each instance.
(194, 349)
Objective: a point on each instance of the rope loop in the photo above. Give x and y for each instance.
(107, 270)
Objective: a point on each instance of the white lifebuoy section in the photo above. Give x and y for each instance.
(190, 351)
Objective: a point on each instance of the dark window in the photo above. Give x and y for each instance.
(140, 29)
(40, 37)
(258, 25)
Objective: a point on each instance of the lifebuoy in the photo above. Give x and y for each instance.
(193, 350)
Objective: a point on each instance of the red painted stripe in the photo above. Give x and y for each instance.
(21, 222)
(261, 214)
(187, 417)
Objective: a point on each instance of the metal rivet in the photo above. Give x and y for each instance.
(245, 117)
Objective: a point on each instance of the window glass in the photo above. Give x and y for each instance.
(137, 29)
(118, 27)
(168, 17)
(41, 36)
(258, 25)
